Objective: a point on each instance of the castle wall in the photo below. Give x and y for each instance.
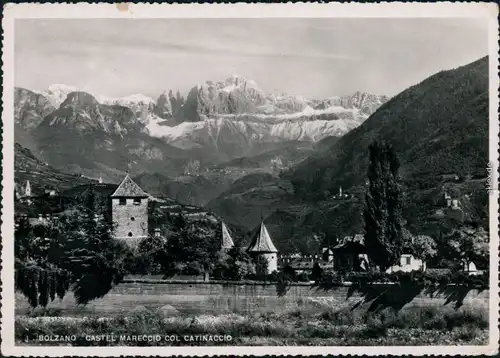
(219, 298)
(130, 220)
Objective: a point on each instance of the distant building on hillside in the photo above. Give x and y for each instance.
(129, 211)
(50, 192)
(263, 247)
(341, 195)
(450, 201)
(24, 194)
(27, 190)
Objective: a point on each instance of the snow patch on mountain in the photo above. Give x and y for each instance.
(57, 94)
(216, 130)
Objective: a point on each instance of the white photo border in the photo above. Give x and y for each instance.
(11, 12)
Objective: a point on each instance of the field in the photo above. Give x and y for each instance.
(412, 326)
(252, 314)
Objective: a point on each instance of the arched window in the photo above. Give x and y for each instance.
(132, 219)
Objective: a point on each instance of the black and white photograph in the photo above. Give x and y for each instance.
(249, 180)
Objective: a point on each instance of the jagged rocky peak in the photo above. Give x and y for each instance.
(163, 106)
(57, 93)
(366, 103)
(80, 99)
(233, 96)
(30, 108)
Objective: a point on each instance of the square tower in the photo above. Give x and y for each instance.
(129, 211)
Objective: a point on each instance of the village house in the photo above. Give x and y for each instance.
(408, 263)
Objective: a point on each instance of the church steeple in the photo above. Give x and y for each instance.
(27, 190)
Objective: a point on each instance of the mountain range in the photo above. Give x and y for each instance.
(246, 155)
(91, 134)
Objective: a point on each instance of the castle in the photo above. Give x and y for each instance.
(129, 212)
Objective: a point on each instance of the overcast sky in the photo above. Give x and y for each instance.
(310, 57)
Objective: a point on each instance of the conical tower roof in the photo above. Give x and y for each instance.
(129, 189)
(262, 242)
(227, 241)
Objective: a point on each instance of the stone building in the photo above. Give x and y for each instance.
(129, 211)
(263, 247)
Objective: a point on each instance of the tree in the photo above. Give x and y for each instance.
(36, 277)
(236, 264)
(424, 248)
(317, 272)
(289, 272)
(261, 265)
(383, 205)
(469, 244)
(187, 249)
(74, 250)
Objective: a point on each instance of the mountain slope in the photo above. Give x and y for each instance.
(41, 175)
(436, 127)
(84, 136)
(439, 129)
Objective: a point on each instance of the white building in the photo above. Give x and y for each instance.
(408, 263)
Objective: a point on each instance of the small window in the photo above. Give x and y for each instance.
(137, 201)
(123, 201)
(129, 234)
(408, 260)
(132, 219)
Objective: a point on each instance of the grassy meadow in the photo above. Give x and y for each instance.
(320, 326)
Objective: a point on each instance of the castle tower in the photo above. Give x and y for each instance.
(340, 192)
(227, 241)
(129, 210)
(262, 246)
(27, 190)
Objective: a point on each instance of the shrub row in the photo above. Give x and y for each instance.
(414, 278)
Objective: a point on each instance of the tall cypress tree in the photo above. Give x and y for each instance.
(383, 206)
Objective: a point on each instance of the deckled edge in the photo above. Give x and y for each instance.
(239, 350)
